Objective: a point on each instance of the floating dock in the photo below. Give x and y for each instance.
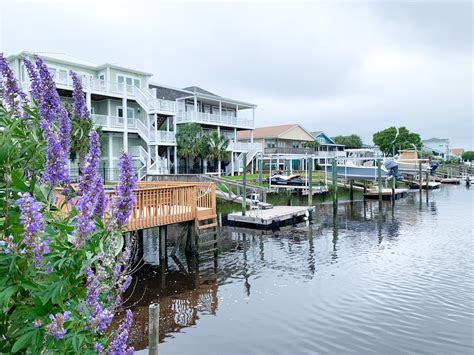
(432, 185)
(386, 194)
(271, 218)
(451, 181)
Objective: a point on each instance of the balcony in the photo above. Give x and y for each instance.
(145, 97)
(114, 123)
(309, 151)
(244, 147)
(213, 119)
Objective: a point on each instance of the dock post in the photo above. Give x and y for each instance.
(427, 185)
(310, 182)
(334, 180)
(351, 192)
(420, 178)
(365, 187)
(394, 189)
(162, 243)
(153, 328)
(379, 178)
(244, 184)
(260, 167)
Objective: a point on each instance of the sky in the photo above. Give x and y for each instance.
(342, 67)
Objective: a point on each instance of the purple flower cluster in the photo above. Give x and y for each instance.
(118, 345)
(124, 198)
(55, 123)
(33, 224)
(79, 103)
(56, 327)
(10, 93)
(91, 195)
(100, 317)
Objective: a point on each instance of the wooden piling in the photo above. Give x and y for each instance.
(394, 188)
(351, 192)
(260, 172)
(420, 178)
(162, 243)
(244, 184)
(153, 328)
(427, 185)
(310, 182)
(379, 178)
(334, 180)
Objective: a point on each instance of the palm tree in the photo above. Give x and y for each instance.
(188, 140)
(216, 148)
(311, 144)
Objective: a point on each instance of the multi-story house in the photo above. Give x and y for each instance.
(152, 112)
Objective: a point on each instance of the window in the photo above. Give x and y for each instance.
(130, 114)
(296, 144)
(270, 143)
(62, 75)
(207, 108)
(131, 82)
(102, 77)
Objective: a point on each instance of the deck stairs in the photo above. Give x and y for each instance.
(149, 166)
(239, 162)
(206, 234)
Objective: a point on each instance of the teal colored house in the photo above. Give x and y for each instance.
(327, 147)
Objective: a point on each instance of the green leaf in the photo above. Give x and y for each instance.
(6, 294)
(24, 341)
(120, 241)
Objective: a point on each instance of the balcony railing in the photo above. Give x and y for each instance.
(134, 125)
(214, 119)
(244, 147)
(312, 151)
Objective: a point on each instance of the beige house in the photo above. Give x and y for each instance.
(284, 139)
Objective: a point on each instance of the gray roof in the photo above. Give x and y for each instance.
(166, 93)
(198, 90)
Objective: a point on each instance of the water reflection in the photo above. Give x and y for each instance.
(357, 279)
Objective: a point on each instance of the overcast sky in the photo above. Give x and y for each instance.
(341, 67)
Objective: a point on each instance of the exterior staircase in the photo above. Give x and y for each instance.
(239, 162)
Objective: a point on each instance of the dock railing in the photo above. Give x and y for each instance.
(162, 203)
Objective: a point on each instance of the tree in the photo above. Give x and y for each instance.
(311, 144)
(189, 142)
(216, 147)
(352, 142)
(468, 155)
(391, 140)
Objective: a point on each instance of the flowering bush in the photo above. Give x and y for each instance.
(63, 269)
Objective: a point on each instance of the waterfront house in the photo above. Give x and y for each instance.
(327, 147)
(439, 147)
(152, 112)
(281, 141)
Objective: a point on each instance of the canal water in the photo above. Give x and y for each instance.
(368, 281)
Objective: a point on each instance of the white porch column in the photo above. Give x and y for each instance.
(232, 163)
(251, 136)
(219, 162)
(220, 108)
(156, 153)
(195, 107)
(89, 100)
(110, 155)
(235, 135)
(175, 160)
(125, 123)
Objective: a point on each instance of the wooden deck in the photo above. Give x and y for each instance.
(386, 194)
(162, 203)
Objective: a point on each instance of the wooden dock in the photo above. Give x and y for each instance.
(271, 218)
(373, 194)
(454, 181)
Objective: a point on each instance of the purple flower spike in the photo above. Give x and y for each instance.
(10, 92)
(119, 342)
(122, 202)
(88, 192)
(79, 103)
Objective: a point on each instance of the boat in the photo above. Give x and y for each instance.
(287, 180)
(409, 163)
(358, 164)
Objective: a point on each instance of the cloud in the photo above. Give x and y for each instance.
(343, 67)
